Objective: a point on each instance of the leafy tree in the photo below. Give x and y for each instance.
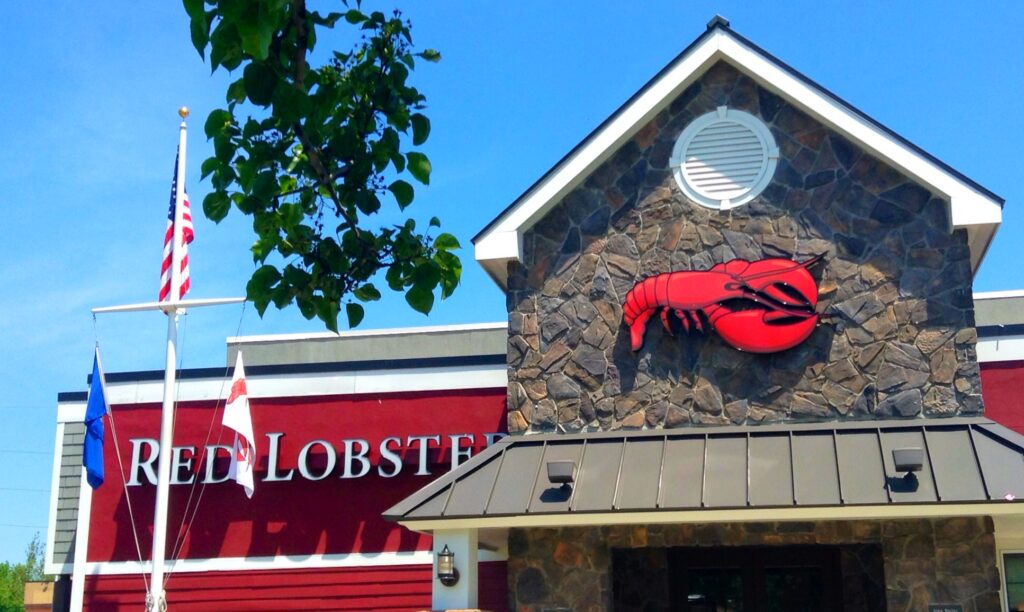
(322, 148)
(14, 576)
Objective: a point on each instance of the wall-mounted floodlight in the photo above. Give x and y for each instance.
(562, 472)
(908, 460)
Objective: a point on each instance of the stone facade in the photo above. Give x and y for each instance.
(925, 561)
(897, 339)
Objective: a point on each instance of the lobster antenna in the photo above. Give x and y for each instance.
(803, 264)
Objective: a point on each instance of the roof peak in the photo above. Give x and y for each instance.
(718, 22)
(971, 206)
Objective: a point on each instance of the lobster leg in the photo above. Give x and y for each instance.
(664, 321)
(683, 319)
(696, 321)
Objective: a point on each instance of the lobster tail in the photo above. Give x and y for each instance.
(640, 304)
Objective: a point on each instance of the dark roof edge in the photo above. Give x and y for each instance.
(622, 107)
(995, 331)
(811, 83)
(707, 509)
(718, 430)
(298, 368)
(717, 24)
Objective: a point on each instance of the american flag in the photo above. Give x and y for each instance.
(187, 235)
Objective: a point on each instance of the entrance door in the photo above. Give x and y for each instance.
(755, 579)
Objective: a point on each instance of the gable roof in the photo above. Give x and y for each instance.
(972, 206)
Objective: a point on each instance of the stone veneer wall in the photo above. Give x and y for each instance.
(925, 561)
(900, 341)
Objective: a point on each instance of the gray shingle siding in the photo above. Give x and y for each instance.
(67, 493)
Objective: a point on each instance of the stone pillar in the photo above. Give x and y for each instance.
(462, 595)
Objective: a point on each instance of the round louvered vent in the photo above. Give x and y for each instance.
(724, 159)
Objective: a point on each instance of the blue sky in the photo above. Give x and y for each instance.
(88, 108)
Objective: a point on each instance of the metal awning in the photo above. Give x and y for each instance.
(717, 471)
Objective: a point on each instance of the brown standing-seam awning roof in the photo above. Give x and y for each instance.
(702, 469)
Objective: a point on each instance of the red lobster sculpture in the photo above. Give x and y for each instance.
(764, 306)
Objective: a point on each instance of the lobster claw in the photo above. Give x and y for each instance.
(753, 331)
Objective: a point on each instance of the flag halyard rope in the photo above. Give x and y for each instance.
(120, 466)
(188, 519)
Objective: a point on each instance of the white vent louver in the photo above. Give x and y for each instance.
(724, 159)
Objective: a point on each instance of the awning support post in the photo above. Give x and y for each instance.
(463, 594)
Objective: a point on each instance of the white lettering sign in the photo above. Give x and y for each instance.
(317, 460)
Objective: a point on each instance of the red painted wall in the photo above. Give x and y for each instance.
(378, 588)
(1002, 388)
(333, 515)
(296, 518)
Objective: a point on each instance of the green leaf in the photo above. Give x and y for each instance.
(256, 30)
(260, 82)
(259, 288)
(435, 222)
(403, 192)
(224, 149)
(306, 307)
(327, 310)
(354, 16)
(265, 186)
(199, 29)
(419, 166)
(420, 129)
(236, 92)
(216, 121)
(355, 314)
(366, 293)
(194, 8)
(431, 55)
(446, 242)
(290, 103)
(210, 165)
(421, 300)
(427, 275)
(216, 205)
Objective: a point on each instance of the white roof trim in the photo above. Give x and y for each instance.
(970, 208)
(364, 333)
(998, 295)
(382, 381)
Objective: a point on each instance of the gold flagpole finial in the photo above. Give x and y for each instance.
(183, 112)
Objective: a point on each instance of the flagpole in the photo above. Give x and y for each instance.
(173, 306)
(156, 600)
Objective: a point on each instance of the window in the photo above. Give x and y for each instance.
(1013, 573)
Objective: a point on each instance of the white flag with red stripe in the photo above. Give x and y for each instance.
(238, 418)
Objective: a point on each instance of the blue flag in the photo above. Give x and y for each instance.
(92, 448)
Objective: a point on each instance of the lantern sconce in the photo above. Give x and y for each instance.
(446, 572)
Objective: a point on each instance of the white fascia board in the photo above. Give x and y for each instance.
(363, 333)
(302, 385)
(968, 205)
(998, 295)
(536, 203)
(1006, 348)
(499, 245)
(979, 239)
(495, 250)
